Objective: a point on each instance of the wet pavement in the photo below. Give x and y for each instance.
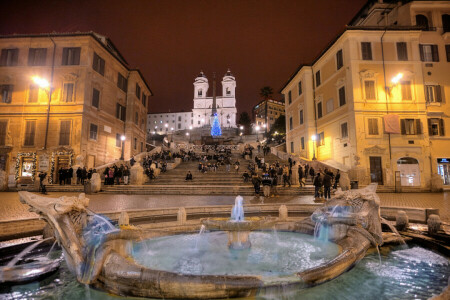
(12, 209)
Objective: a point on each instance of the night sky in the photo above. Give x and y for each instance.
(261, 41)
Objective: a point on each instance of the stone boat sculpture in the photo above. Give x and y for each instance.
(97, 253)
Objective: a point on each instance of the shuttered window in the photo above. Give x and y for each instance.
(366, 51)
(402, 52)
(318, 79)
(138, 91)
(68, 92)
(410, 126)
(93, 132)
(429, 53)
(436, 127)
(95, 98)
(433, 93)
(369, 89)
(319, 110)
(373, 126)
(98, 64)
(291, 125)
(301, 116)
(300, 89)
(406, 90)
(9, 57)
(71, 56)
(344, 130)
(447, 50)
(120, 112)
(302, 143)
(122, 82)
(64, 133)
(37, 56)
(339, 60)
(290, 97)
(3, 125)
(30, 131)
(118, 140)
(6, 91)
(342, 99)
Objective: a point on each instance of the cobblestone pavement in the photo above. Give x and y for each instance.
(12, 209)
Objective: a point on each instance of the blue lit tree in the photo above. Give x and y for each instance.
(215, 128)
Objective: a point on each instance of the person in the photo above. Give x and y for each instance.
(227, 164)
(286, 177)
(69, 175)
(105, 173)
(78, 172)
(317, 185)
(42, 176)
(83, 175)
(111, 176)
(312, 172)
(246, 176)
(256, 181)
(61, 175)
(189, 175)
(267, 183)
(306, 172)
(126, 175)
(274, 184)
(326, 181)
(336, 179)
(259, 148)
(132, 161)
(300, 176)
(236, 166)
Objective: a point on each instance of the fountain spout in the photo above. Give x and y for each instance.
(237, 213)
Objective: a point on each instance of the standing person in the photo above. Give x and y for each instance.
(227, 164)
(236, 166)
(42, 176)
(286, 178)
(290, 163)
(312, 172)
(306, 171)
(69, 175)
(256, 181)
(259, 148)
(326, 181)
(83, 175)
(336, 179)
(267, 183)
(105, 174)
(300, 176)
(317, 185)
(126, 175)
(61, 174)
(111, 176)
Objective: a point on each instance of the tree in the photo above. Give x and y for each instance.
(215, 129)
(279, 126)
(244, 120)
(266, 92)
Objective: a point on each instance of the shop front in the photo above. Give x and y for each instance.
(443, 165)
(409, 171)
(25, 168)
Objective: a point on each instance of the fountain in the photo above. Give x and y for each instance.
(128, 261)
(237, 227)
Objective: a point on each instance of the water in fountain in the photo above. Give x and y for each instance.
(25, 252)
(237, 213)
(199, 236)
(393, 229)
(51, 248)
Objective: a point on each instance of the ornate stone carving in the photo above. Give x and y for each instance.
(375, 150)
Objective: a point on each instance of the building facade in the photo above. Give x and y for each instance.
(274, 110)
(66, 99)
(164, 123)
(375, 102)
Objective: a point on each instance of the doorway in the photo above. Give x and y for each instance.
(62, 161)
(444, 169)
(376, 171)
(409, 171)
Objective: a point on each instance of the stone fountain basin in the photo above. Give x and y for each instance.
(248, 224)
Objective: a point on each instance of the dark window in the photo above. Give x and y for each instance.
(138, 91)
(179, 118)
(10, 57)
(292, 147)
(429, 53)
(64, 133)
(68, 92)
(422, 21)
(366, 50)
(200, 92)
(433, 93)
(98, 64)
(321, 139)
(71, 56)
(6, 90)
(402, 51)
(410, 126)
(290, 97)
(318, 78)
(339, 60)
(30, 131)
(95, 98)
(300, 90)
(37, 56)
(33, 94)
(446, 22)
(291, 125)
(228, 92)
(120, 112)
(93, 130)
(369, 89)
(301, 116)
(406, 90)
(3, 125)
(136, 118)
(122, 82)
(373, 126)
(436, 127)
(142, 147)
(144, 100)
(118, 140)
(344, 130)
(447, 50)
(319, 110)
(135, 143)
(179, 126)
(302, 143)
(342, 99)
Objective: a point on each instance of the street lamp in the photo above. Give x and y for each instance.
(313, 138)
(44, 84)
(122, 138)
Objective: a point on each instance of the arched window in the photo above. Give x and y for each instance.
(228, 91)
(422, 21)
(409, 171)
(200, 92)
(446, 22)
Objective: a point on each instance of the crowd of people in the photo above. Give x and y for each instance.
(116, 175)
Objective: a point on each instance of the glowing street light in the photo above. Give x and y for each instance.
(44, 84)
(241, 128)
(41, 82)
(313, 138)
(397, 78)
(166, 125)
(122, 138)
(190, 127)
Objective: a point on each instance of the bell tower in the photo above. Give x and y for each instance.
(228, 85)
(201, 86)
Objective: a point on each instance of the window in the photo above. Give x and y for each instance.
(136, 118)
(120, 112)
(37, 56)
(9, 57)
(433, 93)
(339, 60)
(410, 126)
(402, 52)
(138, 91)
(406, 90)
(302, 143)
(292, 147)
(228, 92)
(98, 64)
(447, 50)
(373, 126)
(122, 82)
(93, 130)
(179, 118)
(342, 99)
(118, 140)
(320, 139)
(429, 52)
(300, 90)
(318, 78)
(369, 89)
(71, 56)
(30, 131)
(135, 143)
(436, 127)
(68, 92)
(319, 110)
(6, 90)
(301, 116)
(366, 50)
(95, 98)
(144, 100)
(142, 147)
(33, 94)
(446, 22)
(422, 21)
(200, 92)
(330, 105)
(344, 130)
(64, 133)
(290, 97)
(3, 125)
(291, 125)
(179, 126)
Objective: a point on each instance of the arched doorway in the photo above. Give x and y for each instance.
(409, 171)
(422, 21)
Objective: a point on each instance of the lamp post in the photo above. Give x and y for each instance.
(313, 138)
(122, 138)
